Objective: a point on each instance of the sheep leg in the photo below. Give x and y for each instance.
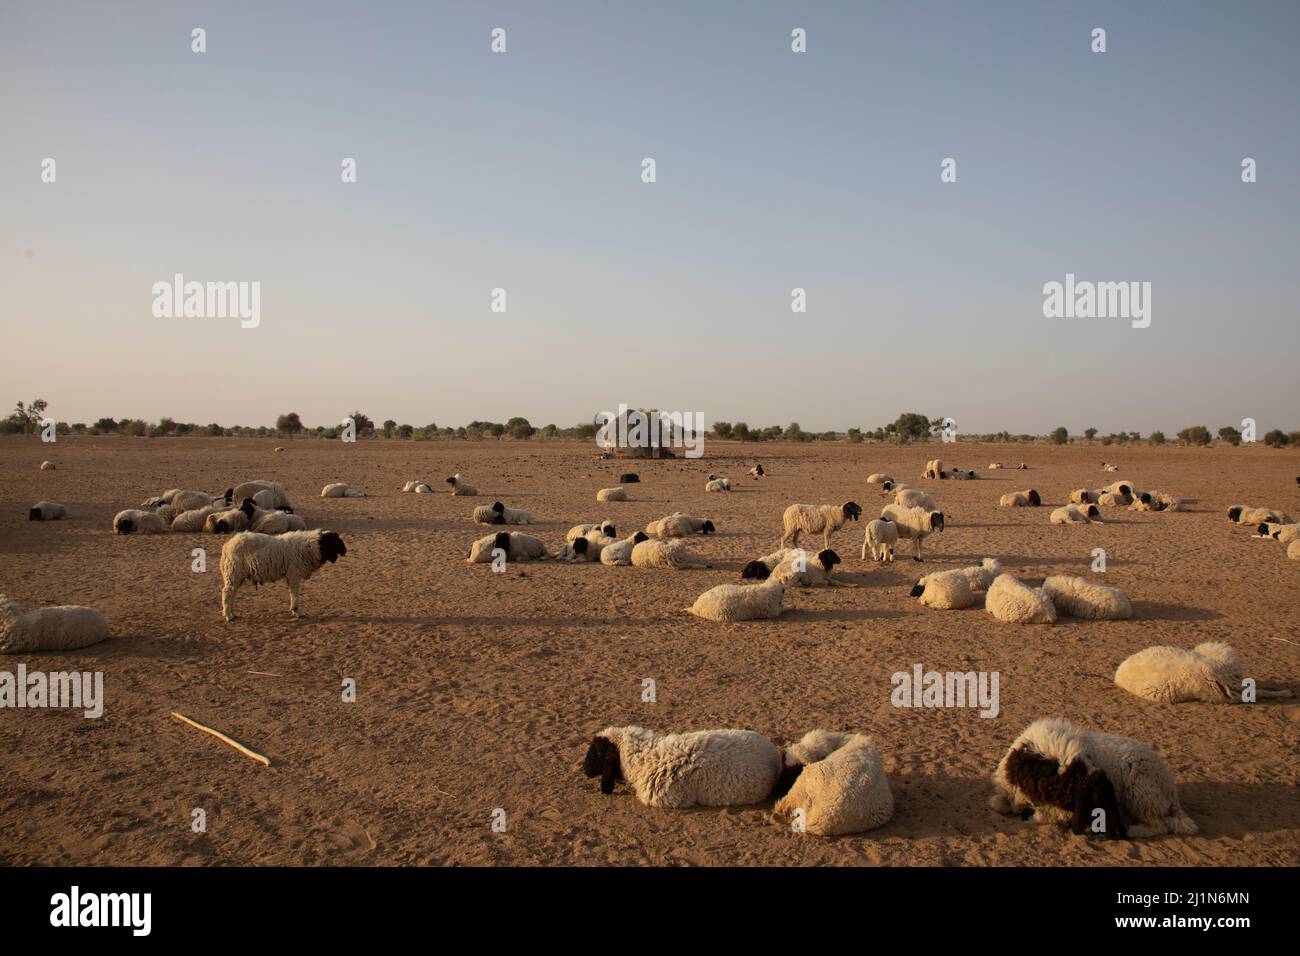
(294, 587)
(826, 539)
(916, 549)
(228, 600)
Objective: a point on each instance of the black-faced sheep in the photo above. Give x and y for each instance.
(1063, 774)
(914, 498)
(915, 524)
(511, 515)
(756, 472)
(717, 483)
(1076, 514)
(134, 521)
(62, 628)
(620, 552)
(516, 545)
(678, 525)
(956, 588)
(46, 511)
(817, 519)
(673, 555)
(264, 559)
(605, 528)
(709, 768)
(459, 487)
(1028, 498)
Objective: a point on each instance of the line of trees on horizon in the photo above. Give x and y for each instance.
(909, 427)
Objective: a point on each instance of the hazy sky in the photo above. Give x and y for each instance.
(775, 170)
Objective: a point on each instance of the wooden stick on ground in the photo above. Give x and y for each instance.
(265, 761)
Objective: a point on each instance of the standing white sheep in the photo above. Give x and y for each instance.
(914, 498)
(709, 768)
(264, 559)
(817, 519)
(62, 628)
(880, 539)
(915, 524)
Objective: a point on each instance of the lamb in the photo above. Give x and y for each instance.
(664, 554)
(879, 478)
(717, 483)
(46, 511)
(63, 628)
(250, 488)
(605, 528)
(263, 559)
(620, 552)
(458, 487)
(517, 546)
(512, 515)
(756, 472)
(1209, 672)
(1064, 774)
(955, 589)
(612, 494)
(1029, 498)
(629, 478)
(709, 768)
(133, 521)
(340, 490)
(817, 519)
(996, 466)
(801, 570)
(1075, 514)
(410, 486)
(1013, 602)
(909, 498)
(1079, 597)
(1082, 496)
(839, 783)
(740, 602)
(678, 525)
(881, 538)
(914, 524)
(1245, 514)
(193, 520)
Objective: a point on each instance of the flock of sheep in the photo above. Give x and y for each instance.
(1053, 771)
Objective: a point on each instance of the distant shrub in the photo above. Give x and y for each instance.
(1157, 438)
(1195, 435)
(1230, 435)
(1060, 436)
(1277, 439)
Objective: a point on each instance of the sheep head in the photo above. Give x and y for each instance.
(936, 521)
(331, 546)
(707, 528)
(639, 537)
(852, 510)
(502, 541)
(827, 558)
(1034, 499)
(602, 761)
(755, 570)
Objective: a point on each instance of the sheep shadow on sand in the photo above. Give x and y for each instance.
(1224, 808)
(1158, 611)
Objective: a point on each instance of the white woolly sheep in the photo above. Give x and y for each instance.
(265, 559)
(956, 588)
(1211, 672)
(620, 552)
(1013, 602)
(339, 489)
(1109, 467)
(879, 478)
(1293, 550)
(664, 554)
(740, 602)
(517, 546)
(914, 498)
(1155, 501)
(958, 474)
(617, 493)
(933, 469)
(678, 525)
(46, 511)
(1064, 774)
(410, 486)
(1083, 496)
(249, 488)
(760, 569)
(605, 528)
(484, 514)
(756, 472)
(63, 628)
(1245, 514)
(231, 521)
(1075, 514)
(996, 466)
(817, 519)
(880, 539)
(1124, 489)
(264, 499)
(1079, 597)
(838, 781)
(194, 520)
(276, 522)
(588, 548)
(1028, 498)
(708, 768)
(183, 501)
(717, 483)
(1112, 499)
(809, 570)
(133, 521)
(458, 487)
(1283, 534)
(914, 524)
(512, 515)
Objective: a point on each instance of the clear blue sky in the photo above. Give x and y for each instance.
(775, 170)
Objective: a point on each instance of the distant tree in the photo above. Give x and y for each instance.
(214, 430)
(1090, 433)
(519, 428)
(1277, 439)
(1230, 435)
(1293, 438)
(289, 423)
(365, 425)
(105, 425)
(854, 435)
(1157, 438)
(1195, 435)
(740, 431)
(793, 432)
(1060, 436)
(29, 417)
(405, 431)
(911, 427)
(722, 429)
(389, 428)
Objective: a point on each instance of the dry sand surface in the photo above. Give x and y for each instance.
(479, 691)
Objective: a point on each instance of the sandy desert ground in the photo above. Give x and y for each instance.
(479, 691)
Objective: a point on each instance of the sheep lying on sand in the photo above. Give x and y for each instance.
(1211, 672)
(1281, 533)
(412, 486)
(915, 524)
(879, 478)
(740, 602)
(817, 519)
(617, 493)
(276, 522)
(1076, 514)
(1293, 550)
(517, 546)
(760, 569)
(264, 559)
(838, 781)
(880, 539)
(1079, 597)
(1083, 496)
(708, 768)
(652, 553)
(605, 528)
(678, 525)
(133, 521)
(46, 511)
(1028, 498)
(250, 488)
(195, 519)
(799, 568)
(717, 483)
(756, 472)
(587, 548)
(62, 628)
(1014, 602)
(1155, 501)
(629, 478)
(955, 589)
(459, 487)
(339, 489)
(47, 466)
(1064, 774)
(498, 513)
(1245, 514)
(620, 552)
